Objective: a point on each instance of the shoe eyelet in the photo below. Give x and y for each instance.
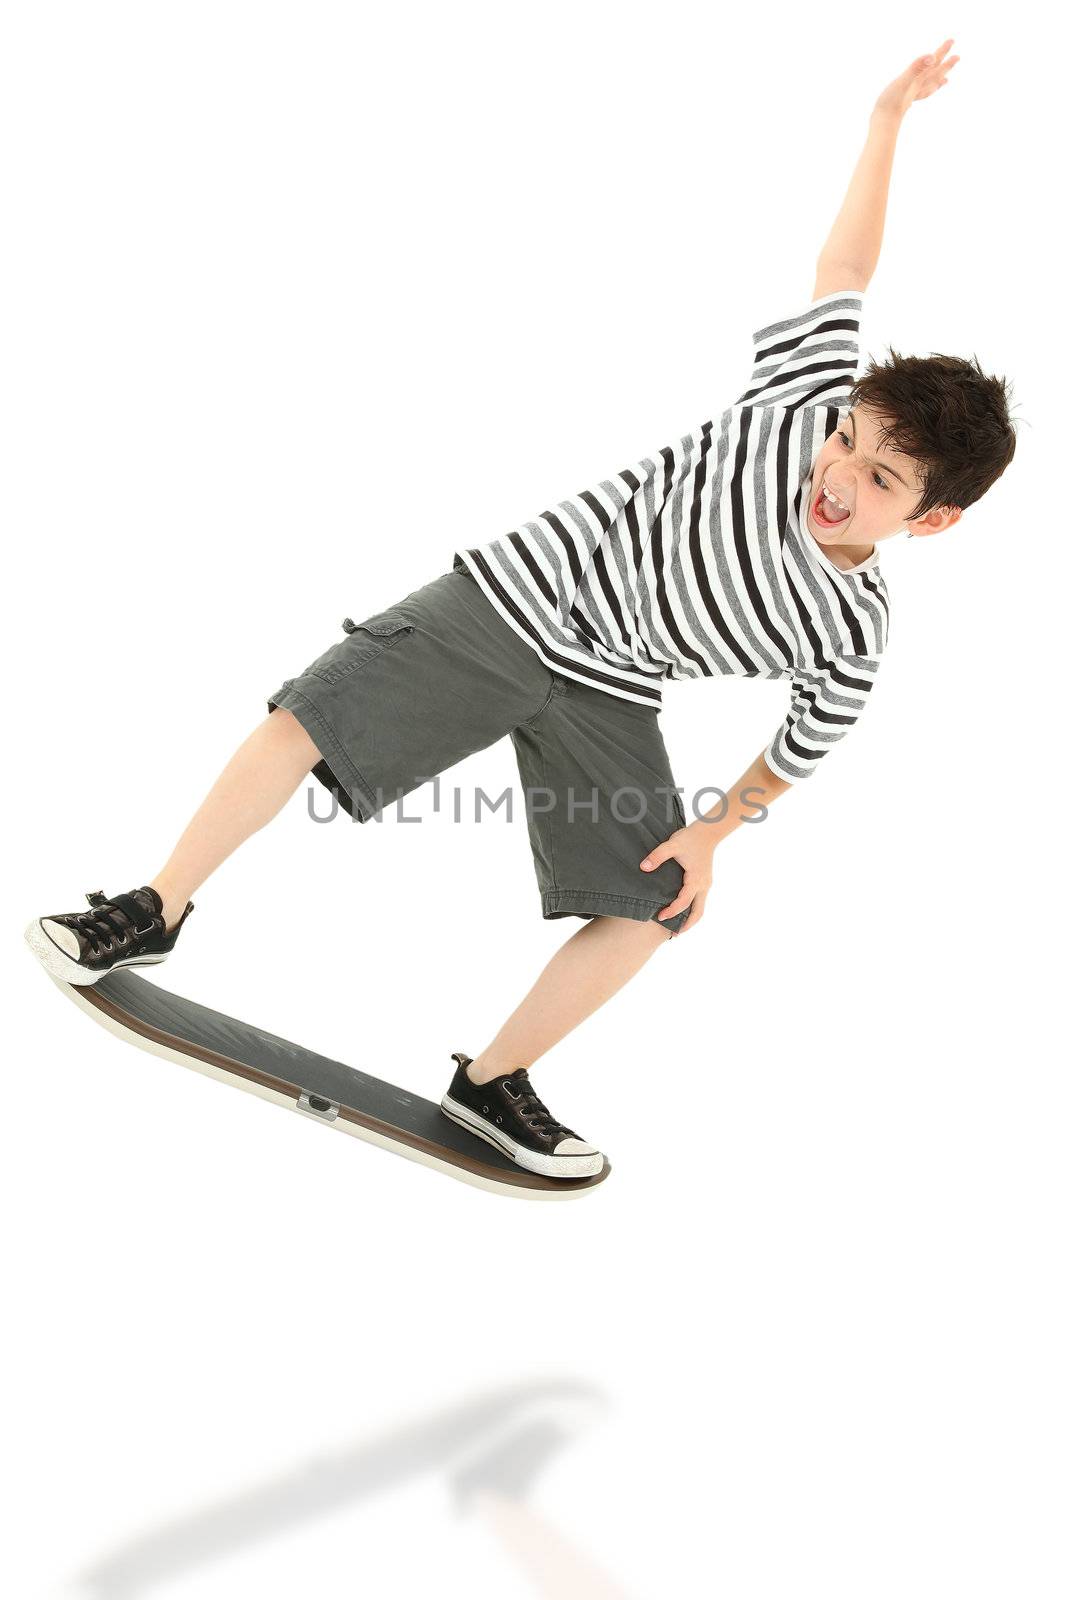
(500, 1122)
(486, 1110)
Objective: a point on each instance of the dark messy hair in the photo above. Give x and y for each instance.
(948, 416)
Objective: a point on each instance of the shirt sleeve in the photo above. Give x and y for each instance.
(824, 706)
(810, 358)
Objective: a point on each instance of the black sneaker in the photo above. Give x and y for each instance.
(507, 1113)
(81, 947)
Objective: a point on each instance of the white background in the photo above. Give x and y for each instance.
(300, 298)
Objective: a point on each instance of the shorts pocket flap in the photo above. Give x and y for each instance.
(385, 622)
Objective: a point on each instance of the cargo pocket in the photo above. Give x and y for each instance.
(365, 641)
(384, 623)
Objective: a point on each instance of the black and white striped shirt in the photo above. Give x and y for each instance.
(697, 561)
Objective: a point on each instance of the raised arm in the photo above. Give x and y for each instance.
(820, 713)
(848, 258)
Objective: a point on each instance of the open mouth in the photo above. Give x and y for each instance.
(829, 512)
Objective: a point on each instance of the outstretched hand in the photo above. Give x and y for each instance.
(923, 78)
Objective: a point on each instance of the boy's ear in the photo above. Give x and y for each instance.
(937, 520)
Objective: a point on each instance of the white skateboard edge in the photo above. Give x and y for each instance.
(357, 1130)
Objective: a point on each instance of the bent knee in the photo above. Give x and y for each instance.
(647, 931)
(290, 731)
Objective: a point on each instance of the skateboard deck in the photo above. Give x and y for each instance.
(249, 1058)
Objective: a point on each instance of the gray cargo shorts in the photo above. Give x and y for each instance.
(416, 688)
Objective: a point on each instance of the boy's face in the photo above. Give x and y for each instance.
(878, 485)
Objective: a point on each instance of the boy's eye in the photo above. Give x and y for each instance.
(878, 480)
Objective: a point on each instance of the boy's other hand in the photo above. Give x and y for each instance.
(924, 77)
(693, 848)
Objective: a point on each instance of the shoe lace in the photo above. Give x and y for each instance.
(531, 1107)
(104, 926)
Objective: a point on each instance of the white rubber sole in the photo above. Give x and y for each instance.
(60, 966)
(546, 1166)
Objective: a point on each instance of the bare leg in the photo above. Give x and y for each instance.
(250, 790)
(593, 965)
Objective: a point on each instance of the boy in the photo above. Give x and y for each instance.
(748, 547)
